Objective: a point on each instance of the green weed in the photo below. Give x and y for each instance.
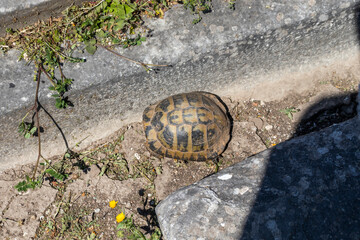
(69, 222)
(127, 228)
(197, 6)
(28, 183)
(289, 112)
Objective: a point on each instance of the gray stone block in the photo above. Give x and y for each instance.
(306, 188)
(228, 52)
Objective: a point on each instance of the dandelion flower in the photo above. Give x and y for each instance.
(120, 217)
(112, 204)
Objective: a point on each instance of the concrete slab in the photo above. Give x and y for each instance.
(228, 53)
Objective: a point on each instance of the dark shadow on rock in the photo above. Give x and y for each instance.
(357, 18)
(310, 189)
(57, 126)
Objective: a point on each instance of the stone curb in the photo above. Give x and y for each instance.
(228, 53)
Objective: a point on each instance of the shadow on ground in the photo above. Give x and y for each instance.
(310, 188)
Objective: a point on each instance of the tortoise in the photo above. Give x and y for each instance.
(189, 126)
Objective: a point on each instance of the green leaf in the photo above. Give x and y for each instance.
(56, 36)
(119, 25)
(21, 186)
(90, 49)
(59, 103)
(92, 41)
(26, 184)
(120, 12)
(101, 34)
(122, 225)
(103, 169)
(55, 174)
(115, 41)
(21, 127)
(128, 9)
(10, 30)
(68, 81)
(87, 23)
(27, 135)
(33, 130)
(140, 40)
(120, 234)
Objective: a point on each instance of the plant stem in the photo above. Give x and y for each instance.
(60, 53)
(142, 173)
(88, 10)
(51, 80)
(144, 65)
(61, 73)
(37, 121)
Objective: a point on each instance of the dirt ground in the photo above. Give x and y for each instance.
(121, 168)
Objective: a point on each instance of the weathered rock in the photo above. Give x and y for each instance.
(300, 189)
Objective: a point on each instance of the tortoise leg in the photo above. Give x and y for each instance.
(216, 163)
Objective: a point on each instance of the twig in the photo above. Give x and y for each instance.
(88, 10)
(144, 65)
(61, 203)
(142, 173)
(60, 53)
(91, 8)
(37, 121)
(27, 113)
(47, 74)
(61, 73)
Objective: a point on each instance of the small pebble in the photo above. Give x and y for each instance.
(268, 127)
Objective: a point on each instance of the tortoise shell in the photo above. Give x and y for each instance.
(189, 126)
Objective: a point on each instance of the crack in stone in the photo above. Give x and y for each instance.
(214, 195)
(8, 205)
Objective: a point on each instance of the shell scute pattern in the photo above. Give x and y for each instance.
(189, 126)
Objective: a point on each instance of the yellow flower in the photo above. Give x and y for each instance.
(112, 204)
(120, 217)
